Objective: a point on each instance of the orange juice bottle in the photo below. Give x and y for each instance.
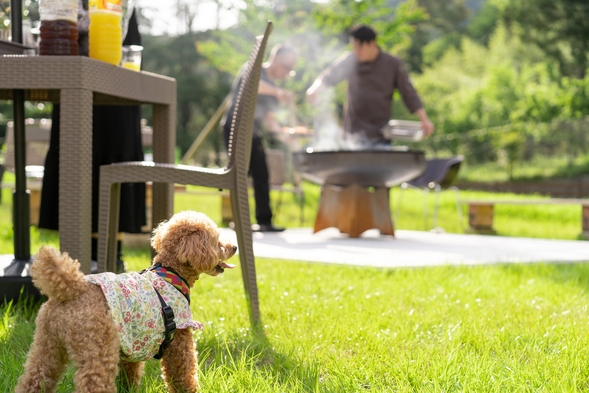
(105, 34)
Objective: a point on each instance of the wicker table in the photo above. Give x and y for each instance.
(78, 82)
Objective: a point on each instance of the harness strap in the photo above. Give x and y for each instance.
(168, 315)
(169, 326)
(170, 276)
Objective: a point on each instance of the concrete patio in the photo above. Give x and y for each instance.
(412, 248)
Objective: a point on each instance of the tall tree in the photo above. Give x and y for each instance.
(443, 17)
(186, 12)
(559, 27)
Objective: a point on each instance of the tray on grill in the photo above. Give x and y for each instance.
(403, 130)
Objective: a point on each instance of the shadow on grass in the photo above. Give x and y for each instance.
(252, 353)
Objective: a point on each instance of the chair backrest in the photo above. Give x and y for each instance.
(246, 96)
(442, 171)
(452, 173)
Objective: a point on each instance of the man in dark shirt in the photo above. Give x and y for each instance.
(373, 76)
(279, 66)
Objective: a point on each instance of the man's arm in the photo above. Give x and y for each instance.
(331, 76)
(283, 96)
(412, 100)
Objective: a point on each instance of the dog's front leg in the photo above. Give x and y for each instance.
(179, 363)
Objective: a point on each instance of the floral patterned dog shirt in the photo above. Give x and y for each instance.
(137, 311)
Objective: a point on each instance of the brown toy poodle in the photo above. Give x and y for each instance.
(104, 322)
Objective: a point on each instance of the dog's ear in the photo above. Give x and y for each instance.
(157, 237)
(198, 248)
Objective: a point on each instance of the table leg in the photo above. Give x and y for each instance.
(164, 142)
(75, 175)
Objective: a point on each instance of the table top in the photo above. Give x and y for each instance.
(43, 76)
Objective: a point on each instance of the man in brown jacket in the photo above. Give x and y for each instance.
(373, 76)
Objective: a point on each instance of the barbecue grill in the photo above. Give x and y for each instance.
(355, 185)
(368, 168)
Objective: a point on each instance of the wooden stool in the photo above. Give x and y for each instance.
(354, 209)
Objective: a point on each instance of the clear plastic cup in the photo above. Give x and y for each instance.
(132, 57)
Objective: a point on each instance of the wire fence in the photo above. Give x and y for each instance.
(515, 142)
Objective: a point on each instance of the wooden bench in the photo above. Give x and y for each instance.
(480, 212)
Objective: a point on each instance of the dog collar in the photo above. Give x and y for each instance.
(170, 276)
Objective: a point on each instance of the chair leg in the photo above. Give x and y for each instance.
(436, 206)
(241, 217)
(425, 207)
(113, 227)
(399, 200)
(458, 206)
(302, 207)
(108, 225)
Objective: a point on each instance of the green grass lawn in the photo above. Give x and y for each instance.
(327, 328)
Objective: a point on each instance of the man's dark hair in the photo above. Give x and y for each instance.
(363, 33)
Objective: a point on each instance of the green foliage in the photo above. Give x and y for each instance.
(201, 88)
(510, 146)
(392, 24)
(445, 23)
(524, 150)
(434, 50)
(507, 82)
(558, 27)
(483, 23)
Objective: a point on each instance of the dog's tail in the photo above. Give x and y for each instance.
(57, 275)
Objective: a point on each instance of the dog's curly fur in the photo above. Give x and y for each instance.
(75, 323)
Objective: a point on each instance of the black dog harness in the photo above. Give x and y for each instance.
(170, 276)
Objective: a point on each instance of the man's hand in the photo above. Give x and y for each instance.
(284, 96)
(311, 97)
(428, 128)
(271, 125)
(426, 125)
(314, 91)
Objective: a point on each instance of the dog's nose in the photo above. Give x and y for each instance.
(234, 248)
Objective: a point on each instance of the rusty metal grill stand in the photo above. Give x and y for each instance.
(354, 209)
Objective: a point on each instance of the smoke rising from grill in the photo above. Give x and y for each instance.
(329, 134)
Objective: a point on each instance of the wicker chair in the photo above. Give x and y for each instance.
(232, 177)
